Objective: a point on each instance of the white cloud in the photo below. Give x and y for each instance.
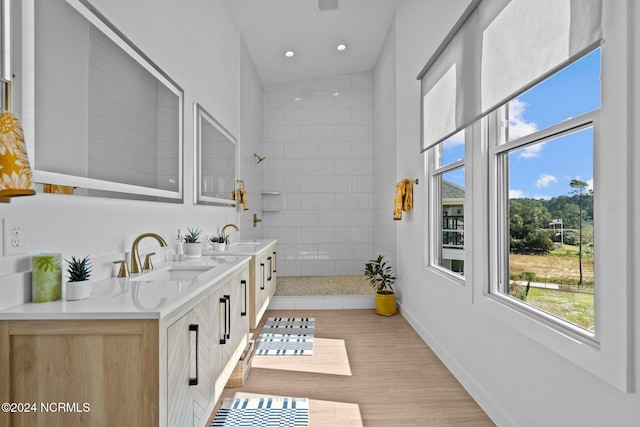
(516, 194)
(532, 150)
(590, 184)
(518, 126)
(545, 180)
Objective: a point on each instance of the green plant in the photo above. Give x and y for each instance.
(192, 236)
(79, 270)
(216, 239)
(380, 275)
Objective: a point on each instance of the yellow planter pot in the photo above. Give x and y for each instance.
(386, 304)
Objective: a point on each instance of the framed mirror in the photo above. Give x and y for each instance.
(216, 160)
(105, 119)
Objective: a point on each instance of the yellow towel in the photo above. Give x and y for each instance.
(407, 201)
(403, 200)
(242, 198)
(398, 201)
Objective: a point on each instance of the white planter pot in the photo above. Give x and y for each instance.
(219, 247)
(78, 290)
(193, 250)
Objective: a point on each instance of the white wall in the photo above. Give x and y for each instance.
(384, 149)
(251, 142)
(198, 45)
(318, 143)
(515, 379)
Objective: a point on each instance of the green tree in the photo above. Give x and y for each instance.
(579, 189)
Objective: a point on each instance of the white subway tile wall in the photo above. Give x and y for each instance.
(318, 138)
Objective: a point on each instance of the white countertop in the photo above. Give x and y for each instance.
(132, 298)
(254, 247)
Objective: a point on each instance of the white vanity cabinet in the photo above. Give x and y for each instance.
(202, 348)
(263, 270)
(161, 366)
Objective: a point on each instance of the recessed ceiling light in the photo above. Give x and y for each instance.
(341, 47)
(289, 53)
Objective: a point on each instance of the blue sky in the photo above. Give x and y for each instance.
(545, 170)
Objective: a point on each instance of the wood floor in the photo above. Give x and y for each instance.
(366, 370)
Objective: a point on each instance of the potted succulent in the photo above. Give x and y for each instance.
(78, 286)
(192, 247)
(381, 279)
(217, 243)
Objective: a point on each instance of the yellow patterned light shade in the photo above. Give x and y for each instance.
(16, 178)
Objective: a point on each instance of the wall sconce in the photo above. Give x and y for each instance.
(16, 178)
(258, 157)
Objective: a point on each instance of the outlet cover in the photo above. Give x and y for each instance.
(14, 236)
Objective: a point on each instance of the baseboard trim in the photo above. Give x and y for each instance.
(473, 388)
(322, 302)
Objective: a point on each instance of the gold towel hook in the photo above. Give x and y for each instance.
(241, 182)
(257, 156)
(414, 181)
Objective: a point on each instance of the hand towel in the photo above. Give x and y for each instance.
(398, 201)
(407, 200)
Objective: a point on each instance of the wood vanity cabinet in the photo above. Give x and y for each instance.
(263, 271)
(134, 372)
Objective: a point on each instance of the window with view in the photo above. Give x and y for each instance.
(544, 198)
(447, 183)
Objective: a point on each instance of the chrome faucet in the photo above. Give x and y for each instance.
(135, 256)
(226, 238)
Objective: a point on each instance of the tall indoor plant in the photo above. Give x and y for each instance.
(381, 278)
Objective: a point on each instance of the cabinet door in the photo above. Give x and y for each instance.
(188, 365)
(180, 365)
(201, 315)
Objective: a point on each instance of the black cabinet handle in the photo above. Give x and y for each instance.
(270, 268)
(275, 259)
(263, 280)
(228, 311)
(244, 313)
(194, 328)
(223, 340)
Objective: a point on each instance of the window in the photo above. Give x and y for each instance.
(448, 192)
(544, 199)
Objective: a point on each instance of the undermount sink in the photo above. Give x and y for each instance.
(173, 273)
(245, 244)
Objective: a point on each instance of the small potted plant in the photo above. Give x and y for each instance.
(381, 279)
(192, 247)
(78, 286)
(217, 243)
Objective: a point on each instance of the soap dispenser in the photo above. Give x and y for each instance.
(178, 248)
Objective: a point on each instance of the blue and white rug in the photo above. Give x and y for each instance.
(263, 411)
(286, 336)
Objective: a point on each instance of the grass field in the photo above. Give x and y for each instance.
(572, 306)
(559, 268)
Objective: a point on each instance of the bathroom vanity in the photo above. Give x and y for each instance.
(262, 273)
(154, 349)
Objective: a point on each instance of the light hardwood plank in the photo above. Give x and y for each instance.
(395, 379)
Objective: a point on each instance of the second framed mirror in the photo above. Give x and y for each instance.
(216, 160)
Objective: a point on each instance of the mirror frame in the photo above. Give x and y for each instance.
(200, 114)
(87, 10)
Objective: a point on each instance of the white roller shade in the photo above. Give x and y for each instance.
(498, 49)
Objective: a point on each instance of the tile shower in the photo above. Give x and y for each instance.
(319, 147)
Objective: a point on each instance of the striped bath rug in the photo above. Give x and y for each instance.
(263, 411)
(286, 336)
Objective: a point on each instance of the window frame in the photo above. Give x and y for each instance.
(434, 218)
(499, 223)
